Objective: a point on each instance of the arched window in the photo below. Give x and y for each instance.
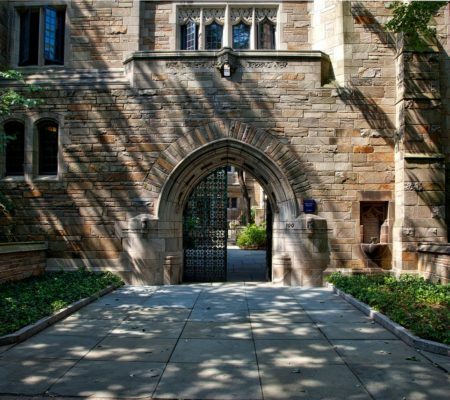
(189, 36)
(48, 148)
(213, 36)
(266, 34)
(241, 36)
(15, 148)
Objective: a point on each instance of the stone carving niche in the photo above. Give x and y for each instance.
(374, 233)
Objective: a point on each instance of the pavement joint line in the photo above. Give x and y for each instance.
(344, 361)
(176, 344)
(398, 330)
(254, 348)
(52, 394)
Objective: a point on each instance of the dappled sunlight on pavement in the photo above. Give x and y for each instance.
(220, 341)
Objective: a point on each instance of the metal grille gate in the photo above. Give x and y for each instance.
(205, 230)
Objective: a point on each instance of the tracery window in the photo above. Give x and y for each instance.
(266, 34)
(242, 28)
(213, 36)
(189, 36)
(241, 36)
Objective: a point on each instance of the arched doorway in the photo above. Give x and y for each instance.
(154, 243)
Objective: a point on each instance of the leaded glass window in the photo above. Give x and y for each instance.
(189, 36)
(15, 148)
(213, 36)
(48, 148)
(52, 37)
(241, 36)
(29, 37)
(266, 35)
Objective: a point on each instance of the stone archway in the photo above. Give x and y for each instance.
(154, 242)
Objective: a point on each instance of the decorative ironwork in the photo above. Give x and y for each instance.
(205, 230)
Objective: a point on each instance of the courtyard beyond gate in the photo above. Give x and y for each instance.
(220, 341)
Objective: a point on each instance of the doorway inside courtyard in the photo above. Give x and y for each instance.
(227, 229)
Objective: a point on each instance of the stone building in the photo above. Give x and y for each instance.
(144, 99)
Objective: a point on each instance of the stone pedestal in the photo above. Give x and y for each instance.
(304, 241)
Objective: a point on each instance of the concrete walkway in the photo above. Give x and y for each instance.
(245, 265)
(230, 341)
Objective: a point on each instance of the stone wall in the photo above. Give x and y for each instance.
(443, 34)
(102, 32)
(434, 262)
(120, 129)
(3, 34)
(21, 260)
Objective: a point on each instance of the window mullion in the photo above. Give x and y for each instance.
(201, 32)
(41, 60)
(227, 28)
(253, 31)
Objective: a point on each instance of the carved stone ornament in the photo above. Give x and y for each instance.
(214, 14)
(186, 14)
(414, 187)
(437, 212)
(266, 13)
(241, 14)
(267, 64)
(173, 65)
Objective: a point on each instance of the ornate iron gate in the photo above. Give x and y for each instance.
(205, 230)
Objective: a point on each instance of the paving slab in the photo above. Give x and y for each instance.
(149, 329)
(109, 379)
(209, 381)
(30, 377)
(214, 314)
(217, 330)
(281, 316)
(285, 330)
(212, 351)
(438, 359)
(171, 301)
(121, 300)
(159, 314)
(338, 316)
(287, 352)
(355, 331)
(414, 381)
(325, 305)
(86, 327)
(331, 382)
(93, 311)
(377, 351)
(43, 346)
(132, 348)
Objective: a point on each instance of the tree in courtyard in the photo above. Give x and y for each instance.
(244, 190)
(413, 19)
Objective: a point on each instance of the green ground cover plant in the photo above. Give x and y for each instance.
(25, 302)
(253, 236)
(418, 305)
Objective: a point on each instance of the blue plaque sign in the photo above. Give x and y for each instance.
(309, 206)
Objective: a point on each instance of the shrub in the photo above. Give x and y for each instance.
(419, 305)
(253, 236)
(25, 302)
